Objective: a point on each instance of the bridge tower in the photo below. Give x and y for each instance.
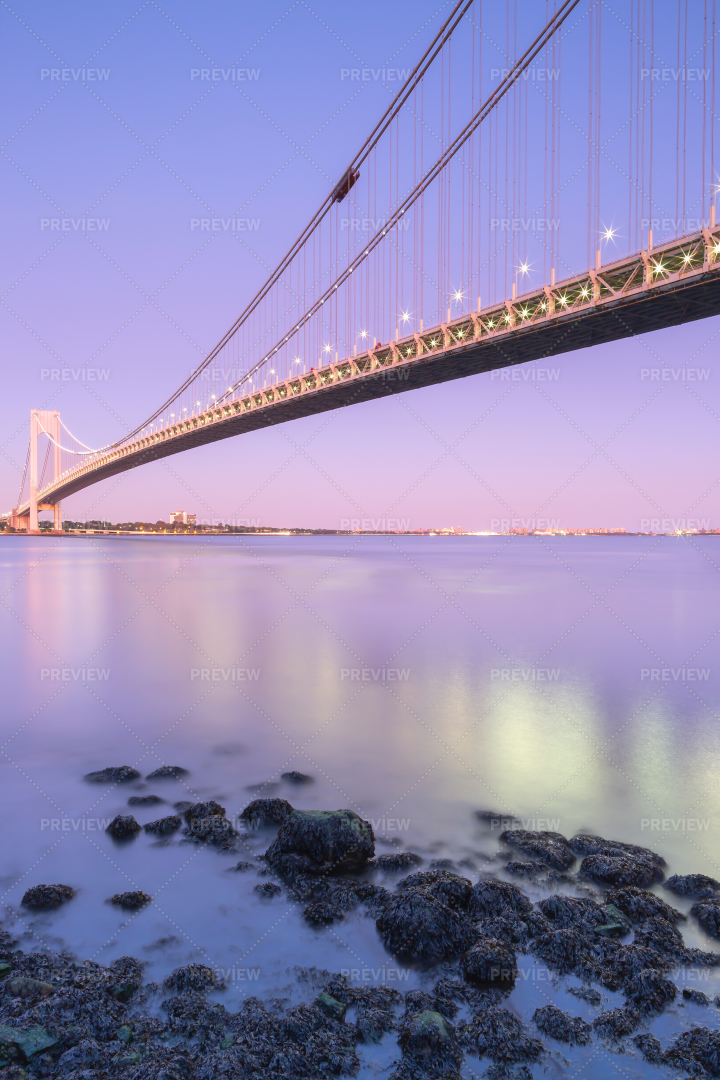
(43, 421)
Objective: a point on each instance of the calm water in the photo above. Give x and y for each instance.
(415, 679)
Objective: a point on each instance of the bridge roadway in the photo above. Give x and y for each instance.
(676, 283)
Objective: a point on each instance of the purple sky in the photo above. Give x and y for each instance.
(591, 438)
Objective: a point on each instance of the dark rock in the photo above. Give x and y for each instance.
(490, 961)
(586, 993)
(243, 866)
(566, 912)
(549, 847)
(639, 904)
(47, 896)
(417, 925)
(490, 897)
(192, 977)
(123, 827)
(448, 888)
(295, 777)
(164, 826)
(697, 885)
(267, 811)
(133, 901)
(699, 1045)
(428, 1040)
(323, 914)
(198, 811)
(530, 870)
(268, 889)
(87, 1055)
(625, 962)
(20, 986)
(650, 991)
(500, 1035)
(620, 870)
(330, 1005)
(120, 774)
(616, 923)
(707, 913)
(22, 1046)
(207, 824)
(584, 845)
(496, 820)
(321, 841)
(167, 772)
(123, 992)
(656, 933)
(403, 860)
(566, 950)
(556, 1024)
(615, 1024)
(507, 928)
(145, 800)
(696, 996)
(649, 1047)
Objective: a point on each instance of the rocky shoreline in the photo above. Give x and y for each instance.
(600, 924)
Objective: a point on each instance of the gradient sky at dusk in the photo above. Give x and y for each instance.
(597, 441)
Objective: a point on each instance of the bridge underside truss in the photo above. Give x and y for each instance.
(677, 283)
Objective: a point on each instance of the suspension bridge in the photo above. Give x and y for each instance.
(416, 226)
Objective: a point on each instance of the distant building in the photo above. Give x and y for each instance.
(181, 517)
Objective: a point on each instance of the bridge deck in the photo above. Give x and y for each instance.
(676, 283)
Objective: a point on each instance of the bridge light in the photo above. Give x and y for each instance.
(327, 348)
(563, 300)
(491, 324)
(363, 334)
(543, 306)
(405, 316)
(525, 312)
(433, 343)
(524, 268)
(457, 296)
(507, 318)
(609, 234)
(687, 258)
(584, 292)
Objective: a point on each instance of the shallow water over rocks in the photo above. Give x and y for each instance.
(549, 685)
